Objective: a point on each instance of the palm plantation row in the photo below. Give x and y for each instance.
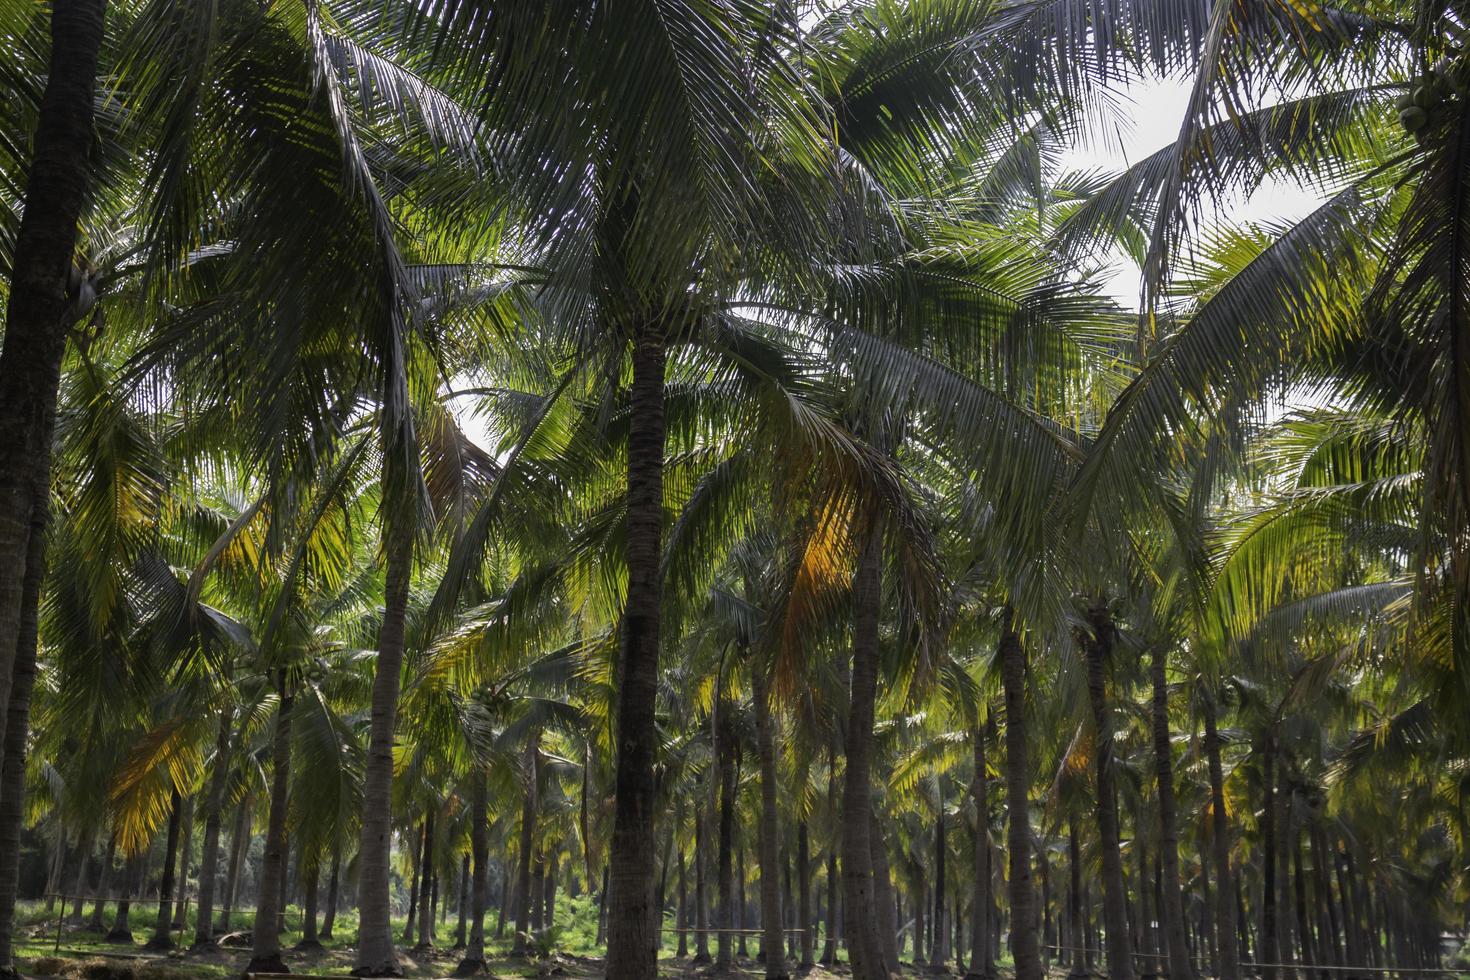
(682, 453)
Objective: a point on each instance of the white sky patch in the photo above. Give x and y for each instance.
(1151, 112)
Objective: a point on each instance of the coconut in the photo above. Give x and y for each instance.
(1413, 118)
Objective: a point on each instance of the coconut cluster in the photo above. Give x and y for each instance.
(1427, 103)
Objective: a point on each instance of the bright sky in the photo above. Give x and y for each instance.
(1153, 112)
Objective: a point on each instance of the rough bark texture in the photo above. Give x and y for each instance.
(1173, 895)
(1225, 924)
(1024, 943)
(313, 872)
(213, 818)
(43, 304)
(632, 951)
(376, 956)
(426, 881)
(13, 769)
(474, 955)
(770, 844)
(265, 957)
(884, 908)
(1115, 896)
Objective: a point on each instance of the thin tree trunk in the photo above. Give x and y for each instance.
(981, 967)
(121, 932)
(1270, 951)
(861, 921)
(1225, 922)
(79, 884)
(531, 766)
(161, 938)
(724, 880)
(939, 952)
(1074, 895)
(311, 869)
(239, 844)
(701, 904)
(265, 957)
(213, 818)
(376, 956)
(769, 834)
(334, 884)
(829, 944)
(804, 901)
(416, 860)
(186, 848)
(104, 885)
(17, 728)
(1173, 895)
(742, 951)
(461, 929)
(1018, 782)
(426, 881)
(683, 911)
(474, 955)
(43, 304)
(884, 907)
(1115, 896)
(632, 950)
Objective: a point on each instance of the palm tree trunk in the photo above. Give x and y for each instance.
(376, 956)
(829, 944)
(415, 860)
(104, 885)
(186, 848)
(1018, 784)
(17, 728)
(1173, 906)
(161, 938)
(239, 844)
(632, 951)
(461, 930)
(1115, 896)
(213, 818)
(981, 967)
(265, 957)
(742, 950)
(861, 921)
(885, 910)
(682, 915)
(121, 932)
(804, 901)
(426, 879)
(334, 884)
(1225, 924)
(725, 881)
(770, 843)
(42, 306)
(474, 955)
(521, 945)
(1270, 950)
(1074, 897)
(311, 868)
(701, 905)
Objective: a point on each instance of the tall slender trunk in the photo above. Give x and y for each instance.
(79, 883)
(884, 908)
(742, 950)
(532, 769)
(1115, 896)
(104, 885)
(213, 817)
(334, 893)
(17, 726)
(311, 869)
(1018, 783)
(769, 831)
(161, 938)
(724, 879)
(473, 960)
(1329, 925)
(121, 931)
(426, 880)
(939, 953)
(239, 844)
(981, 967)
(1225, 923)
(43, 304)
(701, 903)
(1173, 895)
(461, 929)
(1270, 950)
(265, 957)
(416, 862)
(861, 920)
(376, 956)
(804, 900)
(682, 914)
(186, 848)
(1074, 899)
(829, 943)
(632, 951)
